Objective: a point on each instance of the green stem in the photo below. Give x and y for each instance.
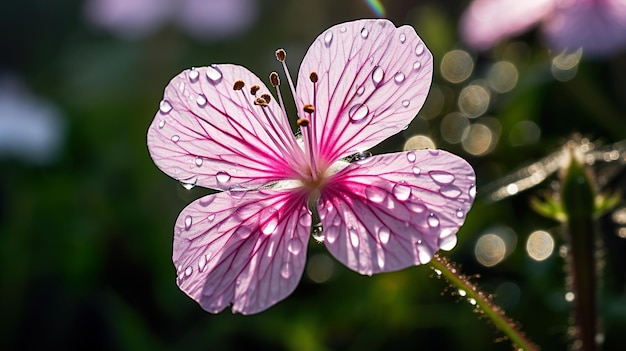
(444, 268)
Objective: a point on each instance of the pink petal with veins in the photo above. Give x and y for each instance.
(247, 249)
(486, 22)
(208, 134)
(373, 79)
(396, 210)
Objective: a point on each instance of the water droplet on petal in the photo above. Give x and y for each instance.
(201, 100)
(342, 29)
(419, 49)
(433, 152)
(442, 177)
(188, 222)
(447, 240)
(472, 191)
(285, 270)
(198, 161)
(460, 213)
(165, 106)
(188, 271)
(305, 220)
(243, 232)
(399, 77)
(354, 236)
(161, 124)
(193, 75)
(378, 75)
(270, 250)
(214, 74)
(188, 184)
(417, 65)
(331, 234)
(360, 90)
(380, 258)
(362, 157)
(423, 254)
(375, 193)
(402, 38)
(383, 235)
(406, 103)
(416, 207)
(237, 192)
(318, 233)
(450, 191)
(410, 156)
(210, 217)
(358, 112)
(433, 220)
(401, 191)
(416, 170)
(175, 138)
(270, 226)
(364, 33)
(294, 246)
(203, 261)
(328, 38)
(222, 177)
(181, 87)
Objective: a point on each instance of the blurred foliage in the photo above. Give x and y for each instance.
(85, 241)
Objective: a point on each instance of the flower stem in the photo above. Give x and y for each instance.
(443, 267)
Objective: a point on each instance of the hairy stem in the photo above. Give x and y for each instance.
(444, 268)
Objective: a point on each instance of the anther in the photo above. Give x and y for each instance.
(260, 102)
(238, 85)
(281, 54)
(254, 89)
(303, 122)
(308, 108)
(267, 98)
(313, 77)
(274, 79)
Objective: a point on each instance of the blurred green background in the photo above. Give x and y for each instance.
(86, 218)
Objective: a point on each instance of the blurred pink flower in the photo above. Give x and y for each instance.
(202, 19)
(598, 26)
(219, 127)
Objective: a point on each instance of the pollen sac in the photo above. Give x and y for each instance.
(281, 54)
(260, 102)
(308, 108)
(303, 122)
(254, 89)
(239, 85)
(313, 77)
(267, 98)
(274, 79)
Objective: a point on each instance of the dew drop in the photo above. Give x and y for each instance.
(416, 207)
(460, 213)
(433, 220)
(270, 226)
(354, 236)
(433, 152)
(364, 33)
(270, 250)
(201, 100)
(377, 75)
(175, 138)
(399, 77)
(402, 38)
(206, 201)
(362, 157)
(305, 220)
(410, 156)
(450, 191)
(214, 74)
(447, 240)
(380, 258)
(285, 270)
(210, 217)
(406, 103)
(294, 246)
(416, 170)
(237, 192)
(165, 106)
(472, 191)
(161, 124)
(188, 271)
(375, 193)
(419, 49)
(331, 234)
(188, 222)
(358, 112)
(222, 177)
(202, 262)
(243, 232)
(181, 87)
(328, 38)
(442, 177)
(342, 29)
(198, 161)
(193, 75)
(189, 183)
(360, 90)
(423, 254)
(401, 191)
(417, 65)
(383, 235)
(317, 233)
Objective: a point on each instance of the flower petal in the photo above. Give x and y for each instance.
(486, 22)
(392, 211)
(209, 134)
(248, 249)
(373, 78)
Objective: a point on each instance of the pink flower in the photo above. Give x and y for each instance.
(598, 26)
(219, 127)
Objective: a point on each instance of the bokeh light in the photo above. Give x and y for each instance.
(453, 126)
(474, 100)
(540, 245)
(456, 66)
(493, 246)
(480, 138)
(418, 142)
(320, 267)
(502, 77)
(565, 65)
